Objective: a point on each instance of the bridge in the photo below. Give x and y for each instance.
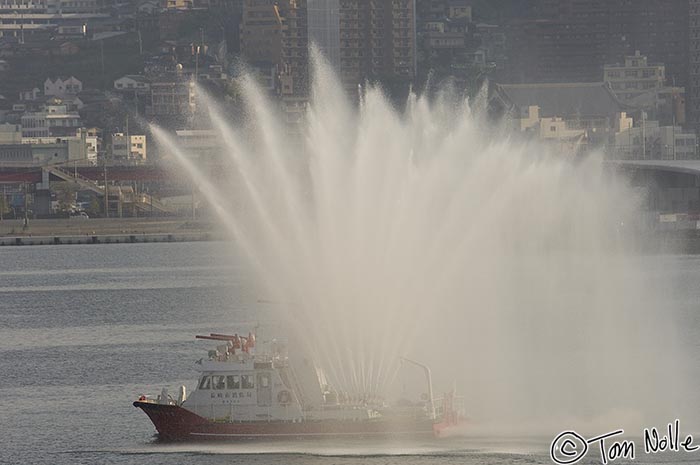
(691, 167)
(670, 185)
(33, 174)
(152, 173)
(669, 188)
(119, 198)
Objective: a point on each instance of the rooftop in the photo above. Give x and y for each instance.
(563, 99)
(134, 77)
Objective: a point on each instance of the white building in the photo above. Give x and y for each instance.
(30, 95)
(200, 144)
(22, 18)
(132, 83)
(172, 98)
(52, 150)
(10, 134)
(460, 9)
(635, 77)
(92, 148)
(135, 150)
(62, 86)
(589, 106)
(552, 129)
(649, 141)
(54, 120)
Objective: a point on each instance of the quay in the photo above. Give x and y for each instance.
(105, 231)
(104, 239)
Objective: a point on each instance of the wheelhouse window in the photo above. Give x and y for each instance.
(233, 382)
(205, 382)
(219, 382)
(247, 382)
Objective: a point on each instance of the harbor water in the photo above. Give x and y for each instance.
(86, 329)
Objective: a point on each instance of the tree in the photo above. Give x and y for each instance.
(65, 194)
(95, 207)
(4, 208)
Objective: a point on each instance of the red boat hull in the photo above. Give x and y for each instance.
(175, 423)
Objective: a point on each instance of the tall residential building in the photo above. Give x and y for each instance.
(362, 39)
(635, 77)
(293, 72)
(693, 84)
(444, 33)
(377, 40)
(355, 55)
(323, 18)
(261, 32)
(571, 40)
(274, 39)
(294, 66)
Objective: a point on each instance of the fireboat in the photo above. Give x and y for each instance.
(243, 394)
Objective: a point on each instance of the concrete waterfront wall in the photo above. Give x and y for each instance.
(105, 239)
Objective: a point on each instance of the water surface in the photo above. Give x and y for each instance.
(84, 330)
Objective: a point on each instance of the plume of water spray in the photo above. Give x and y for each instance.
(434, 233)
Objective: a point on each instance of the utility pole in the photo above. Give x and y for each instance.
(194, 209)
(2, 203)
(140, 43)
(197, 50)
(629, 140)
(196, 63)
(106, 193)
(644, 135)
(128, 139)
(673, 115)
(673, 121)
(26, 206)
(102, 60)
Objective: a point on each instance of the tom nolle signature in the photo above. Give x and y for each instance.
(569, 447)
